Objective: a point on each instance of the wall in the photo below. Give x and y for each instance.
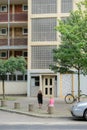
(14, 87)
(83, 84)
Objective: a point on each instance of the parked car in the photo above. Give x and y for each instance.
(79, 110)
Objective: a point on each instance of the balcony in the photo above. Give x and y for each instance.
(14, 1)
(15, 43)
(18, 17)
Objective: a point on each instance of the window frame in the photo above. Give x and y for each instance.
(2, 7)
(25, 52)
(65, 7)
(24, 32)
(1, 31)
(1, 54)
(12, 78)
(23, 7)
(20, 77)
(36, 80)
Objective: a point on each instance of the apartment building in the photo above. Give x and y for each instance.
(27, 29)
(42, 39)
(13, 40)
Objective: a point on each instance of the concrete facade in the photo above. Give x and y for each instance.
(30, 32)
(42, 39)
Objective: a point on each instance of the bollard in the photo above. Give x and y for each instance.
(31, 107)
(50, 109)
(16, 105)
(3, 103)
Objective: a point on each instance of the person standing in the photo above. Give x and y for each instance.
(40, 98)
(51, 105)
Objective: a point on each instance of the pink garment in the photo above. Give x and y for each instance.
(51, 102)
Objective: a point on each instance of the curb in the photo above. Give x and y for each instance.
(33, 114)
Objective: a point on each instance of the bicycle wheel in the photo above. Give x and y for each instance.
(82, 97)
(69, 98)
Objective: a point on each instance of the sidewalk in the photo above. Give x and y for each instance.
(61, 108)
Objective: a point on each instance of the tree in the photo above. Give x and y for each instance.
(11, 65)
(71, 55)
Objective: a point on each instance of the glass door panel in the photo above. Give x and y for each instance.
(48, 86)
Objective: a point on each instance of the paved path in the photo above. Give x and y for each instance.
(61, 108)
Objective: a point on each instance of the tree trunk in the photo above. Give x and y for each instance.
(3, 86)
(78, 85)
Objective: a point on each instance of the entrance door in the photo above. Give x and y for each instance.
(48, 86)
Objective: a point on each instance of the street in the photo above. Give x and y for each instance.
(43, 127)
(13, 121)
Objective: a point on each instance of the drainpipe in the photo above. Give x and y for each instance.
(8, 26)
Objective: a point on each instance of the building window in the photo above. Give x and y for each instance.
(46, 81)
(66, 6)
(42, 56)
(44, 6)
(3, 31)
(35, 80)
(50, 81)
(19, 77)
(25, 77)
(5, 77)
(43, 29)
(46, 91)
(3, 54)
(25, 31)
(3, 8)
(25, 7)
(12, 77)
(25, 53)
(50, 91)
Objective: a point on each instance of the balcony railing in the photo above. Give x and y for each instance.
(14, 42)
(13, 17)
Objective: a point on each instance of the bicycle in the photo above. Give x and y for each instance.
(70, 98)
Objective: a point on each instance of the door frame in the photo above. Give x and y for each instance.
(48, 85)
